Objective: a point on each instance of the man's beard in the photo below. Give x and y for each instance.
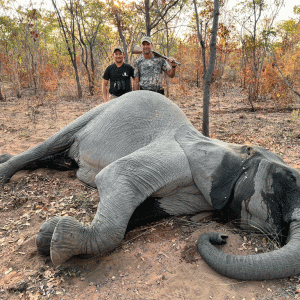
(146, 51)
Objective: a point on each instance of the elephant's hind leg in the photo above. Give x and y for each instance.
(59, 161)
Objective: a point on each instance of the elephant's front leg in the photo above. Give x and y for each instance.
(119, 196)
(123, 186)
(44, 236)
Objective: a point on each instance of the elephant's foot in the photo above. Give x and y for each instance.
(67, 240)
(7, 169)
(4, 178)
(44, 236)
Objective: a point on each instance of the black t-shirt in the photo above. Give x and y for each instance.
(120, 82)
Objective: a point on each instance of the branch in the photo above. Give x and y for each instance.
(283, 77)
(200, 37)
(162, 13)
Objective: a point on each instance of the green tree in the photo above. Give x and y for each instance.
(10, 32)
(285, 53)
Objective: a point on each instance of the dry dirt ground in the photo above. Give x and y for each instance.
(158, 261)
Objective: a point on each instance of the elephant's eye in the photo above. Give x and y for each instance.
(293, 178)
(249, 149)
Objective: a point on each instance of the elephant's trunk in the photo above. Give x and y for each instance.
(280, 263)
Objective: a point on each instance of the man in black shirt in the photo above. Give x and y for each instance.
(119, 75)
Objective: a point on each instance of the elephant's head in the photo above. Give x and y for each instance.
(262, 192)
(267, 194)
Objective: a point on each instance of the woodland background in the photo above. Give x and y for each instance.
(51, 65)
(63, 51)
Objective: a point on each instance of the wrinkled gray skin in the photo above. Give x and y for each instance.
(142, 145)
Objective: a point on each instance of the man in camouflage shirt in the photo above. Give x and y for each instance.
(148, 69)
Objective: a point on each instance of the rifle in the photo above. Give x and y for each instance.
(138, 50)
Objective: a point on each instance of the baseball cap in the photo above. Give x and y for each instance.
(146, 39)
(118, 48)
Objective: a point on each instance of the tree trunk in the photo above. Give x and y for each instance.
(29, 59)
(200, 37)
(17, 80)
(250, 97)
(120, 31)
(1, 95)
(79, 89)
(93, 67)
(210, 70)
(36, 64)
(168, 54)
(147, 18)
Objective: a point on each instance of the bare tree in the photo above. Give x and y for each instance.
(118, 20)
(155, 11)
(208, 73)
(168, 35)
(68, 29)
(201, 26)
(87, 39)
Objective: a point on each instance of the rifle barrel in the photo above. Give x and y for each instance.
(165, 57)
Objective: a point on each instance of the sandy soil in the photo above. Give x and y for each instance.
(158, 261)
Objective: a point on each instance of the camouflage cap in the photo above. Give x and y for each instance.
(146, 39)
(118, 48)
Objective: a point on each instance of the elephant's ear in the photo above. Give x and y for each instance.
(215, 165)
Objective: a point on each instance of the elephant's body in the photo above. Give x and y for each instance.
(125, 125)
(142, 145)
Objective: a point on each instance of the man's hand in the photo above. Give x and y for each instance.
(171, 61)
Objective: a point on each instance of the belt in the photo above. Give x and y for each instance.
(153, 90)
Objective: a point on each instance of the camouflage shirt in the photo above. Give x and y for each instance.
(150, 72)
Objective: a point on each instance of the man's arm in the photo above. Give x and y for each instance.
(171, 72)
(135, 83)
(104, 90)
(136, 77)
